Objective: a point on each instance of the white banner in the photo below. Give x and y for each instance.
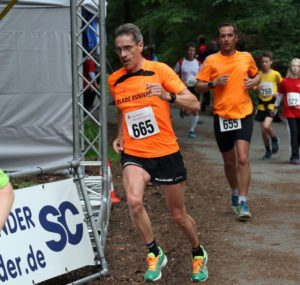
(45, 235)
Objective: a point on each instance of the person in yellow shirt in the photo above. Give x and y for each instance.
(6, 198)
(230, 74)
(267, 92)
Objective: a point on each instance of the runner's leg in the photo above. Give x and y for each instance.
(175, 203)
(265, 135)
(135, 180)
(267, 126)
(243, 170)
(230, 167)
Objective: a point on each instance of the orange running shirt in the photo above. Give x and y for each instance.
(130, 94)
(231, 101)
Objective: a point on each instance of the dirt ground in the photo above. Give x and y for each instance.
(263, 251)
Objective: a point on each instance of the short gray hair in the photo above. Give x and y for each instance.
(129, 29)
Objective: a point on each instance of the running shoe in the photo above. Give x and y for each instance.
(294, 161)
(243, 211)
(275, 145)
(181, 113)
(267, 155)
(234, 204)
(155, 264)
(200, 272)
(192, 135)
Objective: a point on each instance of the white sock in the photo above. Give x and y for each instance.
(235, 192)
(242, 199)
(194, 123)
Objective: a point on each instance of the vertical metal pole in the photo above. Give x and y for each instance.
(75, 80)
(102, 113)
(92, 221)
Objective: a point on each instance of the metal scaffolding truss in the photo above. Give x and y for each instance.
(93, 190)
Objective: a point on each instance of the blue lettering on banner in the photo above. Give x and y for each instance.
(61, 227)
(20, 219)
(11, 268)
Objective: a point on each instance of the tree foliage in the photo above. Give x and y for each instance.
(170, 24)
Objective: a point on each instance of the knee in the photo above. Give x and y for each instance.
(229, 164)
(179, 217)
(243, 160)
(263, 129)
(135, 205)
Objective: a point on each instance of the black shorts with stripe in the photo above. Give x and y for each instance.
(165, 170)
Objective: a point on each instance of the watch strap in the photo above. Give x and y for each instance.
(173, 98)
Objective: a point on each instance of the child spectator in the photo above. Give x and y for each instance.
(267, 92)
(289, 90)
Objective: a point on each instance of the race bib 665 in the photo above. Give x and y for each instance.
(141, 123)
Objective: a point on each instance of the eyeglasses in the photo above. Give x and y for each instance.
(126, 49)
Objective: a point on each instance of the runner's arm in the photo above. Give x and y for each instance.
(118, 142)
(6, 201)
(278, 100)
(249, 82)
(203, 86)
(184, 99)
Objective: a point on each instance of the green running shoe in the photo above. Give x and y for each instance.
(200, 272)
(243, 211)
(155, 264)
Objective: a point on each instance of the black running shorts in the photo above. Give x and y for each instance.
(226, 140)
(261, 115)
(165, 170)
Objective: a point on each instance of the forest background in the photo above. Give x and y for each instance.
(168, 25)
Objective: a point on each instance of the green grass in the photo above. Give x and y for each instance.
(18, 184)
(91, 131)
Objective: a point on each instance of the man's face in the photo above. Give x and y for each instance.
(129, 52)
(190, 53)
(227, 39)
(266, 63)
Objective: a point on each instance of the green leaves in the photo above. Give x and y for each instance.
(169, 25)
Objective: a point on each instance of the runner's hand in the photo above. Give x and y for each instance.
(248, 83)
(156, 89)
(222, 80)
(118, 145)
(273, 112)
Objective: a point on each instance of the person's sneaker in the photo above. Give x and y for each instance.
(243, 211)
(267, 155)
(234, 204)
(294, 161)
(275, 145)
(200, 272)
(181, 113)
(192, 135)
(155, 264)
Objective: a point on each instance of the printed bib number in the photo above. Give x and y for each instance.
(293, 98)
(191, 81)
(141, 123)
(267, 89)
(229, 124)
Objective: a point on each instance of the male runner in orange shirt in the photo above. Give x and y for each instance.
(231, 74)
(142, 91)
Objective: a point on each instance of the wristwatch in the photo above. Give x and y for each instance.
(173, 98)
(210, 84)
